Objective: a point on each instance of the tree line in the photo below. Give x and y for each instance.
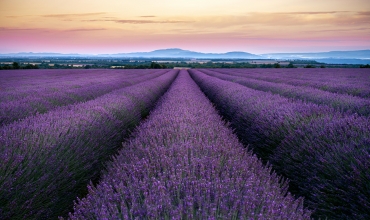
(16, 66)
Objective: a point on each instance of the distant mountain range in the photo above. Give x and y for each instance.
(179, 53)
(353, 57)
(357, 54)
(163, 53)
(332, 57)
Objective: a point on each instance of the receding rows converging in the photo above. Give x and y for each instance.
(189, 144)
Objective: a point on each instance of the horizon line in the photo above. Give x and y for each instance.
(96, 54)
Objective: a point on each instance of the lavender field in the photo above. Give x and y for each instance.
(189, 144)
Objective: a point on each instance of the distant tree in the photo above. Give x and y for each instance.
(322, 66)
(365, 66)
(15, 65)
(266, 66)
(7, 67)
(57, 66)
(225, 65)
(30, 66)
(87, 67)
(129, 66)
(141, 67)
(290, 65)
(309, 66)
(155, 65)
(277, 65)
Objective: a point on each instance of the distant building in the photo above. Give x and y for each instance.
(165, 61)
(117, 67)
(33, 64)
(198, 61)
(263, 61)
(80, 65)
(227, 62)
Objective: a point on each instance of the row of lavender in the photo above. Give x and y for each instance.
(325, 154)
(354, 82)
(185, 163)
(341, 102)
(47, 160)
(19, 83)
(43, 93)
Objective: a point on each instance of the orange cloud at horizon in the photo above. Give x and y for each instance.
(210, 26)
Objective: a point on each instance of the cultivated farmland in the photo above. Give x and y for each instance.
(189, 144)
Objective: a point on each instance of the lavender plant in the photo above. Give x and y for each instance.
(341, 102)
(24, 96)
(324, 153)
(47, 160)
(329, 162)
(351, 81)
(184, 162)
(261, 119)
(18, 84)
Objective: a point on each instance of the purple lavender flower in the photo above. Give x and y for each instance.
(341, 102)
(323, 152)
(184, 162)
(31, 92)
(49, 158)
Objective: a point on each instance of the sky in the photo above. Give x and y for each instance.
(215, 26)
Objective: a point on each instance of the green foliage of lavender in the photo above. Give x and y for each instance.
(324, 153)
(47, 160)
(26, 93)
(185, 163)
(341, 102)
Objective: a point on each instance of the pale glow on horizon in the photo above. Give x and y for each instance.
(116, 26)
